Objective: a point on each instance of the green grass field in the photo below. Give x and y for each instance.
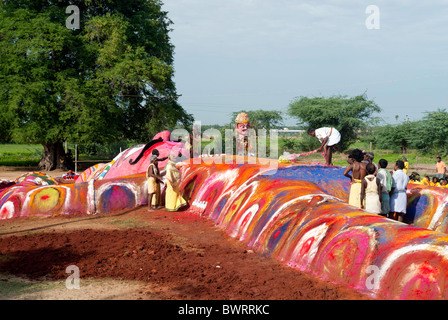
(412, 156)
(20, 154)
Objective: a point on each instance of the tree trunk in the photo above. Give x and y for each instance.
(54, 157)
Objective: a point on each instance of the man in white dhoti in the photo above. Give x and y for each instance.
(398, 197)
(329, 137)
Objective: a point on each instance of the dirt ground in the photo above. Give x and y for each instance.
(138, 255)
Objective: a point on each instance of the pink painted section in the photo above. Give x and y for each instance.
(122, 165)
(165, 135)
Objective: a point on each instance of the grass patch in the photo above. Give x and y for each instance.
(413, 157)
(29, 155)
(20, 155)
(128, 223)
(21, 149)
(19, 162)
(11, 287)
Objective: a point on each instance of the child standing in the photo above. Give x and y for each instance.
(371, 191)
(386, 185)
(406, 165)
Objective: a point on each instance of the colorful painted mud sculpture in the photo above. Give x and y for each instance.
(299, 216)
(427, 207)
(242, 135)
(135, 160)
(296, 213)
(104, 187)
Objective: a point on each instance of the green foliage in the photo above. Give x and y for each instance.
(293, 145)
(427, 135)
(395, 137)
(290, 145)
(347, 114)
(431, 133)
(103, 151)
(110, 80)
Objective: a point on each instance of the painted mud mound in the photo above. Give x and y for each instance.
(135, 160)
(104, 187)
(297, 214)
(72, 199)
(427, 207)
(34, 179)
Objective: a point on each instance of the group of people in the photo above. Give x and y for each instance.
(374, 188)
(438, 180)
(427, 181)
(173, 197)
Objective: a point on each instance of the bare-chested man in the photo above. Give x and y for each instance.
(358, 170)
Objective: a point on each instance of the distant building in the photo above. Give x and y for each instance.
(287, 131)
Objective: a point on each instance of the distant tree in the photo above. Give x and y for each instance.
(395, 136)
(432, 132)
(347, 114)
(262, 119)
(108, 81)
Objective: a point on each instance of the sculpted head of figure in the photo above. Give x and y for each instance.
(242, 124)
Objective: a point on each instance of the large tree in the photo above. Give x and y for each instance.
(347, 114)
(111, 79)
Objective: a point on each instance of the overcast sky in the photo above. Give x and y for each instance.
(262, 54)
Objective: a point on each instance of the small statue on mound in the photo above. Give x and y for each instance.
(243, 147)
